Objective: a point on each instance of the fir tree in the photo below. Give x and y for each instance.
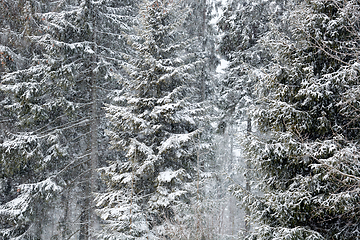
(199, 26)
(56, 97)
(243, 24)
(153, 124)
(306, 152)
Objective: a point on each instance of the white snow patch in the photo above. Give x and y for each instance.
(222, 66)
(169, 175)
(175, 141)
(89, 50)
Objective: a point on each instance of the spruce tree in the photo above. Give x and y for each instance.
(306, 151)
(56, 97)
(242, 25)
(154, 124)
(201, 29)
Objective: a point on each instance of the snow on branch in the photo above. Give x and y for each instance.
(177, 140)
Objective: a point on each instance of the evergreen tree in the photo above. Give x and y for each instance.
(19, 163)
(243, 24)
(199, 26)
(154, 124)
(56, 97)
(306, 152)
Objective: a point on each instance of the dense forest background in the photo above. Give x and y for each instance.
(179, 119)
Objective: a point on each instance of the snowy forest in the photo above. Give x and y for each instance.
(179, 119)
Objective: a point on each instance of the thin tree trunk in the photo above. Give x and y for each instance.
(231, 203)
(85, 214)
(64, 223)
(94, 151)
(198, 227)
(247, 186)
(87, 218)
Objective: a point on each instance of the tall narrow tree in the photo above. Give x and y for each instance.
(153, 123)
(198, 25)
(307, 150)
(57, 97)
(243, 24)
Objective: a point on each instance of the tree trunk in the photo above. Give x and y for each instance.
(247, 186)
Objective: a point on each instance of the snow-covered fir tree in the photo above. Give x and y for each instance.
(154, 123)
(242, 25)
(306, 152)
(64, 56)
(199, 25)
(18, 154)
